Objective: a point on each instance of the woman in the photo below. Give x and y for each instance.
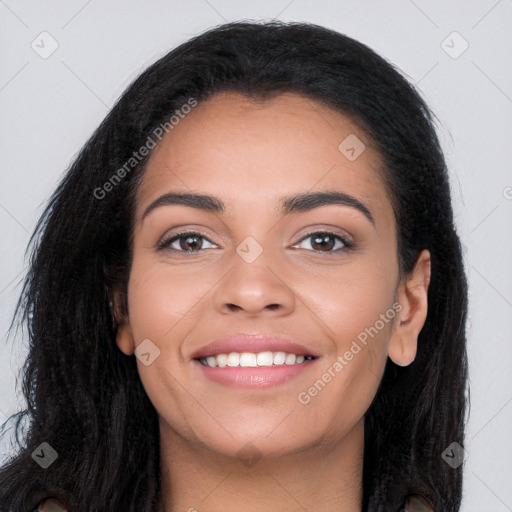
(248, 293)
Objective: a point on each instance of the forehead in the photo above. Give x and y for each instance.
(250, 151)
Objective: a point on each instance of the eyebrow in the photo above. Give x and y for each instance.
(302, 202)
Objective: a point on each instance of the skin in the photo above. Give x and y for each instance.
(249, 154)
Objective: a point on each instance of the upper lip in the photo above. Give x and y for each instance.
(254, 344)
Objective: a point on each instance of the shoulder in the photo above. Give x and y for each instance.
(417, 503)
(51, 505)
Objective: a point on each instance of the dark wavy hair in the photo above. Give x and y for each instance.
(84, 396)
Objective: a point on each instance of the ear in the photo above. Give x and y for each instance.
(412, 294)
(124, 335)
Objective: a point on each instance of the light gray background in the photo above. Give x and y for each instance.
(50, 106)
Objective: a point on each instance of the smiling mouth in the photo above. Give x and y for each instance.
(254, 360)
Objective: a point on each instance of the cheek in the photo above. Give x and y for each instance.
(161, 303)
(346, 383)
(356, 310)
(160, 296)
(351, 298)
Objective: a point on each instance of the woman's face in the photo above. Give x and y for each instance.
(321, 273)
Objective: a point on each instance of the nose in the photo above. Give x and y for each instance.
(254, 289)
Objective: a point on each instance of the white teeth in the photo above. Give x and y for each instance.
(250, 359)
(265, 359)
(279, 357)
(233, 359)
(247, 359)
(290, 359)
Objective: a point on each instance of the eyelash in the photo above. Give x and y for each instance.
(164, 245)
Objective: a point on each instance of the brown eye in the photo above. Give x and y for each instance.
(322, 241)
(184, 242)
(326, 242)
(192, 242)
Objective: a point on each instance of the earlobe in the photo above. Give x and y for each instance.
(124, 335)
(413, 296)
(402, 350)
(124, 339)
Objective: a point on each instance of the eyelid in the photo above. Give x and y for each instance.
(346, 238)
(348, 244)
(165, 242)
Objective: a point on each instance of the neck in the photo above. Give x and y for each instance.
(327, 476)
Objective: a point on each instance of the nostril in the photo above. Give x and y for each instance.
(234, 307)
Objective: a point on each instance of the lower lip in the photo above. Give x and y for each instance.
(256, 376)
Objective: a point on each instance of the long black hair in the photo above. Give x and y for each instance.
(85, 398)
